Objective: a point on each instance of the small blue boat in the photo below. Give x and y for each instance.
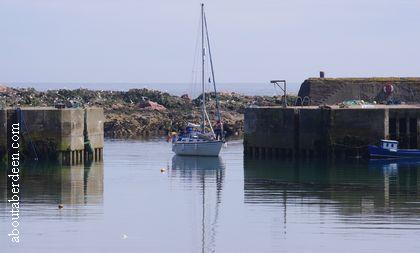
(389, 149)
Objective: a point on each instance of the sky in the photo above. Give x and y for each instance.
(252, 41)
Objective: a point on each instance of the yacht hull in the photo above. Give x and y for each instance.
(208, 148)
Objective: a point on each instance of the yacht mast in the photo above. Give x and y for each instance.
(203, 94)
(218, 114)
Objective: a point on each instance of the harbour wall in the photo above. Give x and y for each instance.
(67, 135)
(327, 131)
(336, 90)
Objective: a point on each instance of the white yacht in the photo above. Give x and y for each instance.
(197, 144)
(201, 140)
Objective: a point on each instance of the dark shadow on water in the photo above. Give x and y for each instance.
(352, 187)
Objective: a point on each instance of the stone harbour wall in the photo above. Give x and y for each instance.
(332, 91)
(310, 131)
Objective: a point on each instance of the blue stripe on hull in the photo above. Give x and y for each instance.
(375, 151)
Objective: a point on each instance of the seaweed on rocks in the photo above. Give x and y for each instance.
(141, 112)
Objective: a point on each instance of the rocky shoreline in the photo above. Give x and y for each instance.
(138, 113)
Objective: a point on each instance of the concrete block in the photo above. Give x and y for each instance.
(269, 127)
(95, 126)
(357, 127)
(71, 124)
(54, 133)
(312, 123)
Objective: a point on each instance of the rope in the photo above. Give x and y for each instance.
(194, 71)
(348, 146)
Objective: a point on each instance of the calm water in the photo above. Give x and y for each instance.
(221, 204)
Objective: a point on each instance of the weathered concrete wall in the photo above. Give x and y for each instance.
(51, 133)
(311, 130)
(50, 130)
(95, 132)
(266, 127)
(357, 127)
(71, 134)
(328, 131)
(335, 90)
(95, 126)
(42, 128)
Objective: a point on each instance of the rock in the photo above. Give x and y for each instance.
(147, 104)
(142, 112)
(117, 106)
(156, 106)
(4, 88)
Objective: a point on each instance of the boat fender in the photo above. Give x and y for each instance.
(388, 89)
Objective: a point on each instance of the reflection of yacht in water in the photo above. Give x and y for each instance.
(208, 174)
(197, 163)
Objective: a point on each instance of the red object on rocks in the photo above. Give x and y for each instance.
(388, 89)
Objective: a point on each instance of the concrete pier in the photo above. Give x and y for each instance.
(69, 135)
(327, 131)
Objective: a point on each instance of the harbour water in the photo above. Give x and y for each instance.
(142, 198)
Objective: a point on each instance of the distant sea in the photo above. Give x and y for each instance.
(172, 88)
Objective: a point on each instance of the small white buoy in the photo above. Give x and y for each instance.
(124, 236)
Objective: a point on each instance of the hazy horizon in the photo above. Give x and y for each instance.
(128, 41)
(194, 90)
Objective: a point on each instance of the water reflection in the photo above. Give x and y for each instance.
(47, 185)
(351, 189)
(208, 174)
(195, 167)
